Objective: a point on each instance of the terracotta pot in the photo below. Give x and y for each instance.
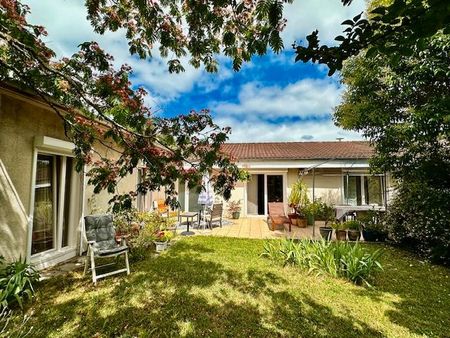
(302, 222)
(341, 235)
(293, 218)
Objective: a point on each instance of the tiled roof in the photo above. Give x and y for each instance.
(299, 150)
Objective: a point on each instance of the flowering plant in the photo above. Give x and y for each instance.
(162, 236)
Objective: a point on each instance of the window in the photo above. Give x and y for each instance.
(373, 190)
(52, 208)
(363, 190)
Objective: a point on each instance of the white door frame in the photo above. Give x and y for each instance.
(54, 147)
(282, 173)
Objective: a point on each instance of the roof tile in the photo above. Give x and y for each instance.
(299, 150)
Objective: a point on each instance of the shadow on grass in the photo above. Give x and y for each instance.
(423, 290)
(192, 291)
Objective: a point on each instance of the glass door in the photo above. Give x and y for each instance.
(54, 193)
(274, 188)
(43, 237)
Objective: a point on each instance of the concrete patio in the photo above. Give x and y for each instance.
(256, 227)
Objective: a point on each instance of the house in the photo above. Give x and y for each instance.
(42, 198)
(337, 172)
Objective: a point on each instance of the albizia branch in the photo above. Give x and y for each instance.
(101, 109)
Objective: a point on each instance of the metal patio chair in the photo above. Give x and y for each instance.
(100, 235)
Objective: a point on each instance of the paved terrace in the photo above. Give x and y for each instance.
(256, 227)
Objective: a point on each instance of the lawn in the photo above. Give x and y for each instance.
(206, 286)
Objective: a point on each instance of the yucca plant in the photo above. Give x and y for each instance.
(16, 282)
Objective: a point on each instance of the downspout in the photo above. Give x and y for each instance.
(82, 210)
(313, 199)
(346, 183)
(385, 191)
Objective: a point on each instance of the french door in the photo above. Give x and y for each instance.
(53, 206)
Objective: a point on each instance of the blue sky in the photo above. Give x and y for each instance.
(270, 99)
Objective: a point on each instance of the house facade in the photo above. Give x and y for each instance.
(42, 198)
(335, 172)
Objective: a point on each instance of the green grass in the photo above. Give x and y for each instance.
(206, 286)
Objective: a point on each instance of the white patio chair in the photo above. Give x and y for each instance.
(99, 234)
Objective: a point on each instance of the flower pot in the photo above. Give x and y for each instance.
(370, 236)
(341, 235)
(326, 232)
(235, 214)
(293, 217)
(310, 219)
(354, 235)
(302, 222)
(161, 246)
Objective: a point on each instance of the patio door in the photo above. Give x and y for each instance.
(55, 207)
(274, 188)
(263, 189)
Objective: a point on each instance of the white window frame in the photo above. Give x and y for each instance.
(52, 147)
(363, 189)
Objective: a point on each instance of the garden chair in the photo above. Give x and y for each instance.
(215, 215)
(100, 235)
(277, 216)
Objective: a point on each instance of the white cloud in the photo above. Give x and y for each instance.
(305, 16)
(304, 98)
(67, 27)
(255, 130)
(296, 112)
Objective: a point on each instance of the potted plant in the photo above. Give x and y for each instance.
(311, 212)
(326, 232)
(234, 208)
(340, 231)
(372, 227)
(354, 230)
(298, 201)
(161, 239)
(326, 214)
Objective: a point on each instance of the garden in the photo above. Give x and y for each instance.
(209, 286)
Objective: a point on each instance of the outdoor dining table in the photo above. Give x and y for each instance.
(189, 218)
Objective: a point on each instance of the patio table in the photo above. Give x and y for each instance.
(189, 218)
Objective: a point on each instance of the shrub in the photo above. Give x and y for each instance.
(352, 225)
(341, 259)
(16, 282)
(419, 219)
(154, 227)
(338, 226)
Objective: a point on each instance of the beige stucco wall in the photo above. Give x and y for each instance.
(98, 203)
(327, 185)
(21, 121)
